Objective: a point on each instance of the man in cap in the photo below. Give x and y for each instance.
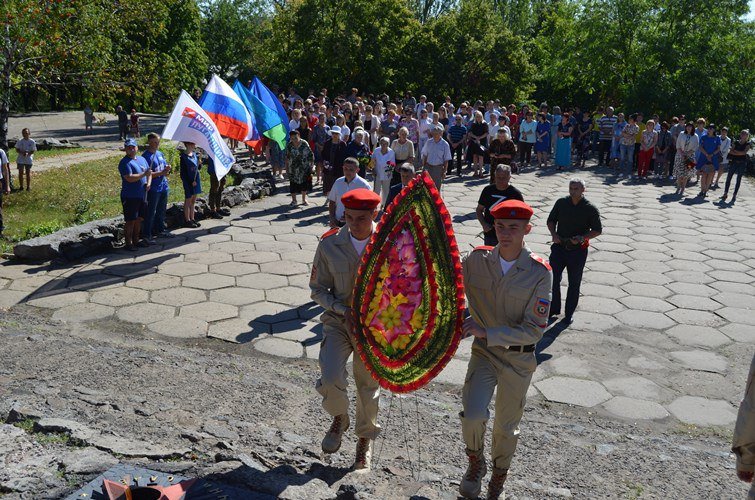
(332, 281)
(136, 178)
(436, 154)
(333, 155)
(508, 294)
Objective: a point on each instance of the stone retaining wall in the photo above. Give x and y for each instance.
(97, 236)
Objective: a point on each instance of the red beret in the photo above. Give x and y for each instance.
(361, 199)
(512, 209)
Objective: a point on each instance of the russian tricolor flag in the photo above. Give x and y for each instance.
(228, 111)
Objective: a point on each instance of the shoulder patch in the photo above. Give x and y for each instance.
(330, 232)
(541, 260)
(483, 247)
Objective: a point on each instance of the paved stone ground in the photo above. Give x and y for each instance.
(664, 331)
(70, 125)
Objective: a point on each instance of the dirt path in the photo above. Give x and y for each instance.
(68, 160)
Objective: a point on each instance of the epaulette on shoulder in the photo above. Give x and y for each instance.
(330, 232)
(541, 260)
(483, 247)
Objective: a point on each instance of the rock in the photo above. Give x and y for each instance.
(51, 143)
(134, 448)
(88, 461)
(74, 429)
(19, 412)
(25, 465)
(314, 489)
(220, 431)
(71, 242)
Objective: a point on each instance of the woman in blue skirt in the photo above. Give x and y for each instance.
(563, 143)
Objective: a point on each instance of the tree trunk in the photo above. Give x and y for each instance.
(5, 91)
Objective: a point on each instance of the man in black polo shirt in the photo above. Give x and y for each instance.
(573, 222)
(491, 196)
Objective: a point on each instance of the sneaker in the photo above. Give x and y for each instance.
(331, 443)
(225, 212)
(471, 483)
(495, 486)
(195, 224)
(363, 457)
(215, 215)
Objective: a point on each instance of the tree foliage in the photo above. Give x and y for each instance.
(658, 56)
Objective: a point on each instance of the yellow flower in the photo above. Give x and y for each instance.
(397, 300)
(390, 317)
(384, 273)
(401, 341)
(417, 321)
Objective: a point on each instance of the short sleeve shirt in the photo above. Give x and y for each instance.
(129, 166)
(383, 170)
(574, 220)
(156, 161)
(26, 145)
(492, 196)
(340, 188)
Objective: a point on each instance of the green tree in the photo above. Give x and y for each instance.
(338, 43)
(232, 30)
(48, 43)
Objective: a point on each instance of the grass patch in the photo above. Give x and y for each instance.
(63, 197)
(46, 153)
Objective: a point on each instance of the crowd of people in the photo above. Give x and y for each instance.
(479, 136)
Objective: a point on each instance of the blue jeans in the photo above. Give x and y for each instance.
(627, 156)
(154, 223)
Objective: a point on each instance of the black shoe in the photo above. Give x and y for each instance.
(215, 215)
(195, 224)
(225, 212)
(568, 320)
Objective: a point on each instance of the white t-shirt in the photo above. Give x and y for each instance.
(359, 245)
(3, 161)
(341, 187)
(506, 264)
(26, 145)
(383, 171)
(293, 125)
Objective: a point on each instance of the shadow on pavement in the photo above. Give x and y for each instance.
(274, 482)
(549, 337)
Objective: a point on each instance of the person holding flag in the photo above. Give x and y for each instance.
(190, 165)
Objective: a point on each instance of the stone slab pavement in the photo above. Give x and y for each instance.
(665, 329)
(70, 125)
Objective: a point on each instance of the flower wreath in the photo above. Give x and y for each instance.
(409, 296)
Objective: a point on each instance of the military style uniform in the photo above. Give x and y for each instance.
(743, 444)
(332, 283)
(513, 309)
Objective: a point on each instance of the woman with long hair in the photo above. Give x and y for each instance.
(563, 145)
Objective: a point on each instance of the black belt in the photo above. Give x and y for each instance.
(521, 348)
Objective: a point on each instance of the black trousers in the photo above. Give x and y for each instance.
(574, 263)
(737, 168)
(2, 190)
(458, 153)
(216, 192)
(525, 153)
(604, 153)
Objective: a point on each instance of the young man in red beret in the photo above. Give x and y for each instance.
(332, 281)
(508, 292)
